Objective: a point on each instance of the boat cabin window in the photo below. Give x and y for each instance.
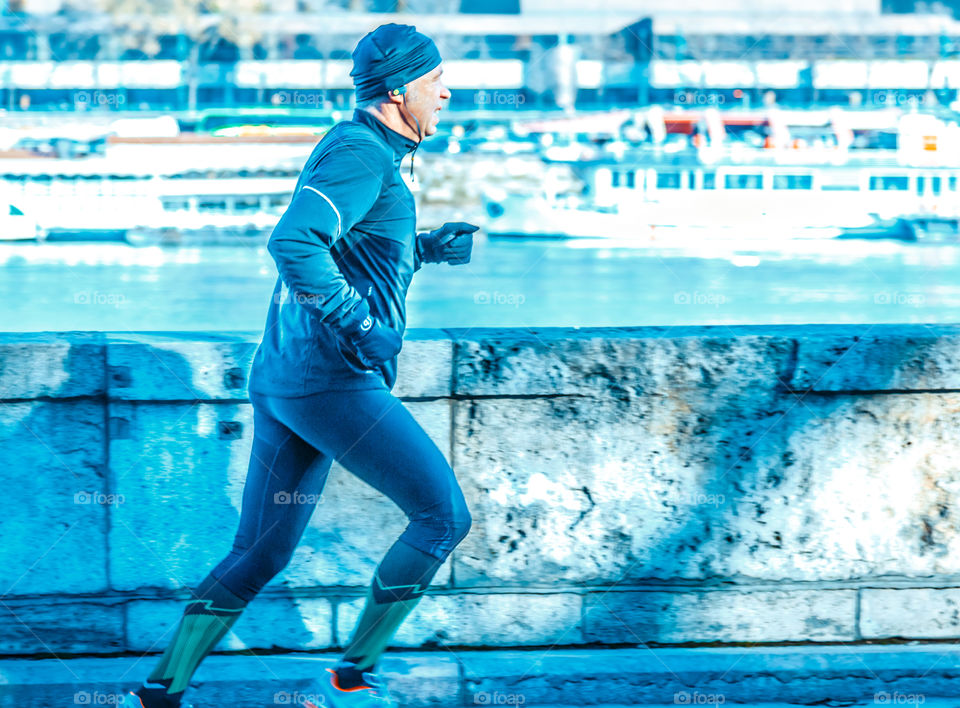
(176, 204)
(245, 204)
(212, 204)
(793, 181)
(668, 180)
(925, 183)
(897, 182)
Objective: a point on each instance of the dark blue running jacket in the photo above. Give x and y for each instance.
(348, 233)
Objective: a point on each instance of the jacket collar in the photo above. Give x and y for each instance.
(399, 144)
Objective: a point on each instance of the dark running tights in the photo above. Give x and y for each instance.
(373, 435)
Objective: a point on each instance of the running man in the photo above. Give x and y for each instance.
(346, 250)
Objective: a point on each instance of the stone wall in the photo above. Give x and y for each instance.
(655, 485)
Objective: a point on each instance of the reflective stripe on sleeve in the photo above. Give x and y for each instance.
(332, 206)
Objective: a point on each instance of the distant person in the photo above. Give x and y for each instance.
(346, 249)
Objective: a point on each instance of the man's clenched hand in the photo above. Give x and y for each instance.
(367, 338)
(452, 243)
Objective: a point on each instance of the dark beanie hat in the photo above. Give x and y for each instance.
(389, 57)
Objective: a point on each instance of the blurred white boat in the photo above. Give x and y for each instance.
(192, 228)
(152, 185)
(185, 208)
(640, 224)
(146, 221)
(648, 197)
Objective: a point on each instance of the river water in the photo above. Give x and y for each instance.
(531, 283)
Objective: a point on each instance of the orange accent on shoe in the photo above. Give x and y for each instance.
(336, 684)
(139, 700)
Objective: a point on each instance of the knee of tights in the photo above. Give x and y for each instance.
(458, 528)
(440, 534)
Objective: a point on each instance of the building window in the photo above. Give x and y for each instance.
(743, 181)
(793, 182)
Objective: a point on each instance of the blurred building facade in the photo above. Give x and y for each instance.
(185, 54)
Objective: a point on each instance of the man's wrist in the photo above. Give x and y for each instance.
(424, 252)
(418, 247)
(432, 248)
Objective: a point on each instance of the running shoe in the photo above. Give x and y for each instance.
(372, 693)
(132, 700)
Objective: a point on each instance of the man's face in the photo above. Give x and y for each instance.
(425, 96)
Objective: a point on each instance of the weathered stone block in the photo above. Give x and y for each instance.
(51, 364)
(719, 615)
(573, 490)
(622, 363)
(181, 471)
(54, 523)
(878, 358)
(917, 613)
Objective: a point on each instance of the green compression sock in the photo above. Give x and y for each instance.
(398, 584)
(204, 622)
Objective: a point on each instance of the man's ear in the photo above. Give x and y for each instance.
(396, 95)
